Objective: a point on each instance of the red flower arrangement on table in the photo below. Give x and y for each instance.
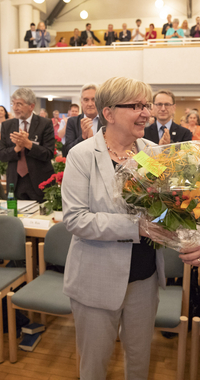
(52, 186)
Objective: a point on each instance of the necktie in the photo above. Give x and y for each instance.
(163, 129)
(22, 168)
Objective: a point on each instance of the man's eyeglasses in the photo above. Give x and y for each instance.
(166, 105)
(135, 106)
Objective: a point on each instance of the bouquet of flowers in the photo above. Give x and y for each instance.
(161, 186)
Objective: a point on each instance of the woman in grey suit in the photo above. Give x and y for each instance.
(111, 273)
(42, 36)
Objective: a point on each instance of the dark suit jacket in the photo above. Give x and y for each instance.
(84, 37)
(127, 38)
(27, 38)
(193, 31)
(110, 38)
(38, 158)
(72, 41)
(164, 31)
(177, 133)
(73, 134)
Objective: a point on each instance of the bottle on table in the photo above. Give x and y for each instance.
(11, 201)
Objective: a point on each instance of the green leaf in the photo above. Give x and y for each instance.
(172, 221)
(193, 203)
(157, 208)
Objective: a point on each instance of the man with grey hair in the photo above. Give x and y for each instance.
(85, 125)
(27, 144)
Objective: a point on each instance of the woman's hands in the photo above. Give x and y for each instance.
(191, 256)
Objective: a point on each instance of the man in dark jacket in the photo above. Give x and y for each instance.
(31, 37)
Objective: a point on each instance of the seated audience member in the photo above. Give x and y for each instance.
(167, 25)
(76, 39)
(110, 36)
(56, 122)
(31, 36)
(195, 30)
(164, 130)
(138, 33)
(151, 34)
(125, 35)
(43, 113)
(42, 36)
(85, 125)
(186, 29)
(183, 122)
(187, 110)
(27, 144)
(73, 111)
(3, 116)
(88, 33)
(192, 120)
(61, 42)
(90, 42)
(174, 33)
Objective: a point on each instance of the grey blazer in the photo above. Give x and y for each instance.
(98, 264)
(47, 39)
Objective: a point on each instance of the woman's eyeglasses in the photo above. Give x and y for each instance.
(135, 106)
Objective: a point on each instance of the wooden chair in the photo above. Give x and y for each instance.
(45, 293)
(173, 309)
(12, 247)
(194, 359)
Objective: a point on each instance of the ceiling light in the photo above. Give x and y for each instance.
(50, 98)
(39, 1)
(84, 15)
(159, 4)
(67, 1)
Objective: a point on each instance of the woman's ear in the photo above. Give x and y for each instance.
(108, 114)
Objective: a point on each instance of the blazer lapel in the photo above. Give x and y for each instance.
(104, 163)
(33, 127)
(173, 131)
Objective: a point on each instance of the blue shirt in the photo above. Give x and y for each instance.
(159, 125)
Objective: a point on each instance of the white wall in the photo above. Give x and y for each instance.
(63, 74)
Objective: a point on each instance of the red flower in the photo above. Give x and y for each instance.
(59, 177)
(58, 138)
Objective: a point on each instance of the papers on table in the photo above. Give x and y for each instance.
(23, 207)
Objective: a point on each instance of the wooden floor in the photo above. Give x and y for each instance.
(54, 357)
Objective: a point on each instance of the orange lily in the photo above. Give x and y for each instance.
(192, 194)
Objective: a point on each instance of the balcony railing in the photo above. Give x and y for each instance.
(120, 45)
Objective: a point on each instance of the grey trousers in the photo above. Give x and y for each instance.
(97, 329)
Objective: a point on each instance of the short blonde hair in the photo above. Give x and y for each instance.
(118, 90)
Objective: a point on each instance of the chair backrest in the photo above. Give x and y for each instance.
(56, 245)
(12, 238)
(173, 265)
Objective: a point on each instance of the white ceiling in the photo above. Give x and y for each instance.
(119, 9)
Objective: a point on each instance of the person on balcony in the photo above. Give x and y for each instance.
(151, 34)
(195, 30)
(167, 25)
(138, 34)
(124, 35)
(76, 39)
(88, 33)
(30, 36)
(42, 36)
(186, 29)
(175, 32)
(110, 36)
(61, 42)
